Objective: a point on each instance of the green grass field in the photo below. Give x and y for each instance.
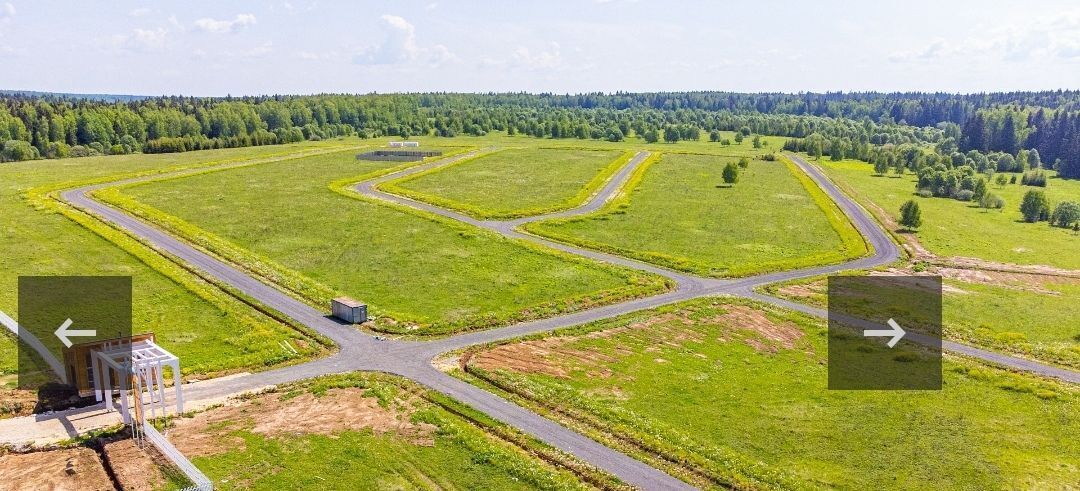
(956, 228)
(210, 331)
(426, 275)
(679, 214)
(738, 396)
(514, 182)
(431, 448)
(1035, 320)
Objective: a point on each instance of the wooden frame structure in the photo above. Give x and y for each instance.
(137, 366)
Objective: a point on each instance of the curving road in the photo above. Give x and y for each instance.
(412, 359)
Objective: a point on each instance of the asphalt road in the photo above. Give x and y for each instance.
(412, 359)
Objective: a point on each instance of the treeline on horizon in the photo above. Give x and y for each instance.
(49, 126)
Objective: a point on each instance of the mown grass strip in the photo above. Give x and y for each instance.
(583, 194)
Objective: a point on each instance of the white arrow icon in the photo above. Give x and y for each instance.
(895, 333)
(64, 333)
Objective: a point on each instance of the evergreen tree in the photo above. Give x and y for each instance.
(731, 174)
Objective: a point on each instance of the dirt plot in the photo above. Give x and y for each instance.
(77, 468)
(774, 334)
(558, 356)
(15, 402)
(275, 415)
(1033, 282)
(136, 468)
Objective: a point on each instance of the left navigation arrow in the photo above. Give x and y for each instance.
(64, 334)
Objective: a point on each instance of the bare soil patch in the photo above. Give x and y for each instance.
(15, 402)
(276, 415)
(135, 468)
(803, 290)
(77, 468)
(1033, 282)
(560, 356)
(775, 334)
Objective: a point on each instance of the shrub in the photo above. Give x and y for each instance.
(16, 150)
(769, 157)
(1035, 207)
(965, 194)
(1066, 214)
(991, 200)
(925, 193)
(1034, 178)
(744, 162)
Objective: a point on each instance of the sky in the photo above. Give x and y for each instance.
(216, 48)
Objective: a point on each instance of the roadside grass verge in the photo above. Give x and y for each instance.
(420, 274)
(513, 183)
(759, 414)
(403, 436)
(680, 216)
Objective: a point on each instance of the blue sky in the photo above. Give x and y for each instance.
(303, 46)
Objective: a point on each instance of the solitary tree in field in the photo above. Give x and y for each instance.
(1067, 214)
(731, 174)
(1001, 180)
(910, 215)
(714, 136)
(738, 138)
(1035, 207)
(757, 141)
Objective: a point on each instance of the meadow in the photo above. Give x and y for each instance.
(677, 212)
(211, 332)
(514, 182)
(1034, 317)
(382, 433)
(957, 228)
(730, 393)
(420, 274)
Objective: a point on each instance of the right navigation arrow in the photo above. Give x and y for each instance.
(895, 333)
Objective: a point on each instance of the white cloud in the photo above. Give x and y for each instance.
(7, 11)
(258, 51)
(317, 56)
(399, 46)
(145, 40)
(225, 26)
(139, 12)
(543, 60)
(1055, 37)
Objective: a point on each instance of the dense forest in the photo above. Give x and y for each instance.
(54, 126)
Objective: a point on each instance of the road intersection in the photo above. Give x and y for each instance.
(360, 351)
